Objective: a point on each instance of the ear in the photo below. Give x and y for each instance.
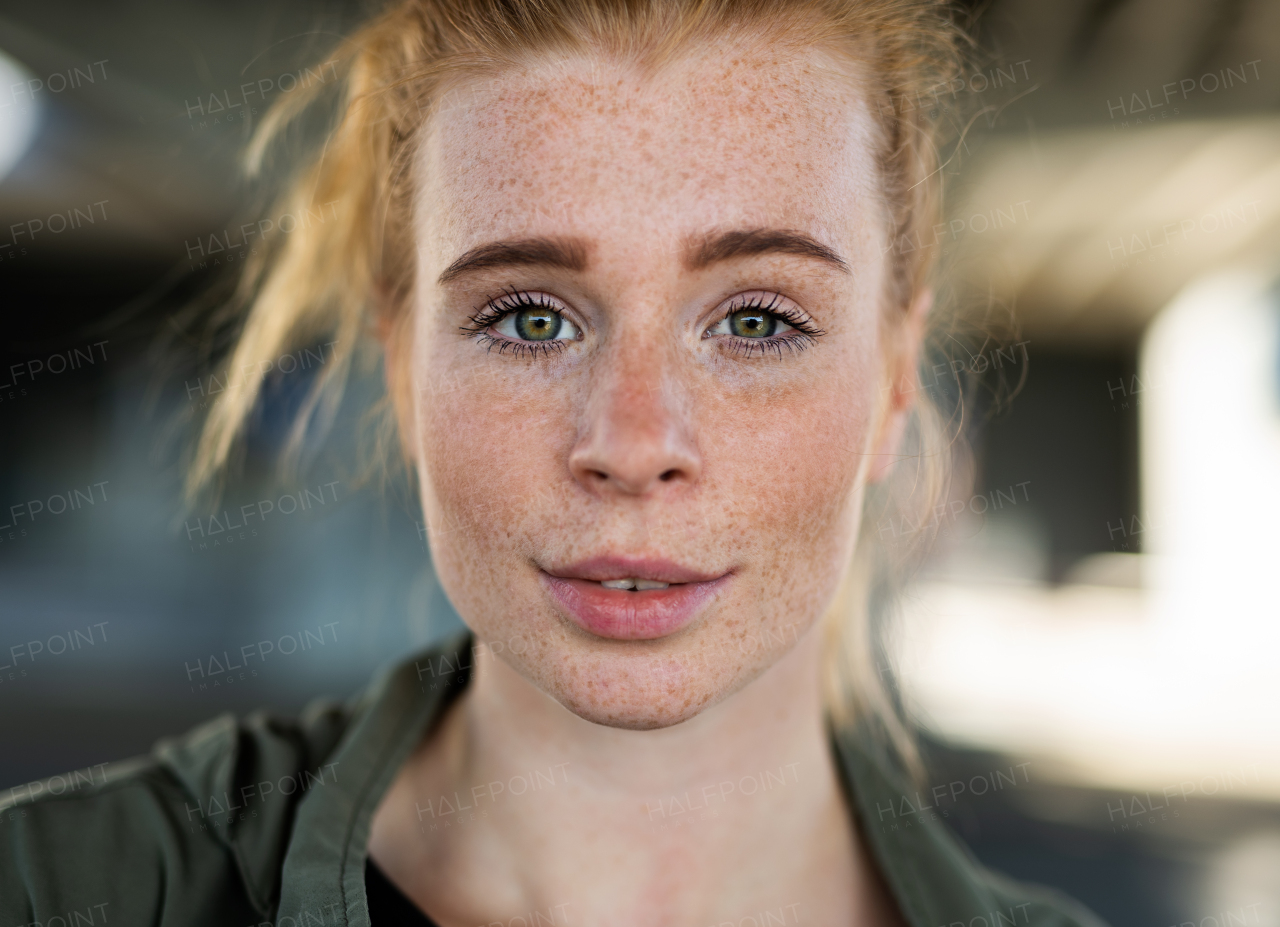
(898, 388)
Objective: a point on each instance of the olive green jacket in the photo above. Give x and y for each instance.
(265, 822)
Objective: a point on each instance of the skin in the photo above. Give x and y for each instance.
(647, 438)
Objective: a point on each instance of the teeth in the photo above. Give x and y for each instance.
(636, 584)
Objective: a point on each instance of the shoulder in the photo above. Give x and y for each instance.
(193, 833)
(933, 875)
(965, 893)
(1020, 904)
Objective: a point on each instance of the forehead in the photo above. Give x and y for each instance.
(722, 138)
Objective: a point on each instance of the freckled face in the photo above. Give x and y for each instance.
(635, 391)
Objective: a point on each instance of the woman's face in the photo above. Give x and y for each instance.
(647, 352)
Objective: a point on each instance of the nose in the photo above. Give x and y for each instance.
(637, 433)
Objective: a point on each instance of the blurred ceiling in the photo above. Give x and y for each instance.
(134, 135)
(1089, 232)
(1124, 116)
(1147, 155)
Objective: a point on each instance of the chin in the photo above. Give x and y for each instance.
(642, 690)
(631, 715)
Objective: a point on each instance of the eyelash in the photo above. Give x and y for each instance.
(497, 309)
(804, 333)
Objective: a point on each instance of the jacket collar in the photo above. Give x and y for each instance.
(930, 874)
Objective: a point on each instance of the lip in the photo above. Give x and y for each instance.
(620, 614)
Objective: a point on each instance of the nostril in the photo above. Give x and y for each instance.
(669, 475)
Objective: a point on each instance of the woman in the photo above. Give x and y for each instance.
(649, 342)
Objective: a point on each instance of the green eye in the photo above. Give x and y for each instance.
(537, 324)
(763, 323)
(752, 323)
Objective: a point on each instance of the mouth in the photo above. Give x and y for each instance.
(634, 585)
(629, 598)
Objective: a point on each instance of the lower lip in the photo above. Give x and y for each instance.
(624, 615)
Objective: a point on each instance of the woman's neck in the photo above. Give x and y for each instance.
(516, 805)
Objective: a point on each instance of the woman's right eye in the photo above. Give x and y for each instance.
(522, 322)
(536, 323)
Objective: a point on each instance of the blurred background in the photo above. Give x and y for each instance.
(1098, 615)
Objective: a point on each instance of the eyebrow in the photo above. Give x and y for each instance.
(571, 254)
(564, 253)
(728, 245)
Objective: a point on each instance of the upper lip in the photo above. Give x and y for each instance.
(651, 568)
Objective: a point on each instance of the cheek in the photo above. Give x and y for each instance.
(492, 460)
(808, 453)
(788, 460)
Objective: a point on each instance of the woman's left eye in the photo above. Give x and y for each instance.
(762, 323)
(751, 322)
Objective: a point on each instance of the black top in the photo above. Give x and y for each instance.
(388, 907)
